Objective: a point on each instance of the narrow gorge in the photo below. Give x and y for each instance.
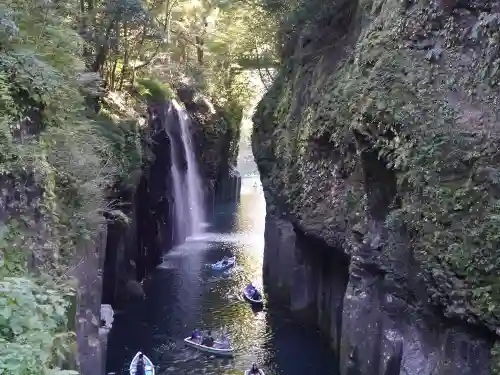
(365, 203)
(180, 183)
(377, 149)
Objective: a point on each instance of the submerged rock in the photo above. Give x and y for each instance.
(379, 139)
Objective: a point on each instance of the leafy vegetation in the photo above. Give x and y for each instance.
(415, 109)
(74, 81)
(155, 91)
(33, 324)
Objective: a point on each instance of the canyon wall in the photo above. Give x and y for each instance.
(216, 136)
(376, 146)
(135, 248)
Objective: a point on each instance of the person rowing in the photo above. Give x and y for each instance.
(254, 370)
(208, 340)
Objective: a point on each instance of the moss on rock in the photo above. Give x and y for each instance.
(216, 133)
(413, 84)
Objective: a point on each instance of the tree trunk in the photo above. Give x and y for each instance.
(126, 57)
(113, 75)
(199, 49)
(103, 50)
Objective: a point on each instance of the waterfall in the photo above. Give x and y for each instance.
(187, 185)
(178, 181)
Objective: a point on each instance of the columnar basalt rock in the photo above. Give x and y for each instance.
(91, 341)
(379, 137)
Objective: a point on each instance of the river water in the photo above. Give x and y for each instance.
(183, 293)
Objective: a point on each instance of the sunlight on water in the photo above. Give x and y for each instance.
(185, 293)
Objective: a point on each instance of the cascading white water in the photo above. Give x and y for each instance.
(181, 217)
(188, 192)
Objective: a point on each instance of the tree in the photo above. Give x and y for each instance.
(34, 338)
(62, 151)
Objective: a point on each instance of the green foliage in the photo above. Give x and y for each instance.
(13, 260)
(45, 132)
(48, 141)
(394, 98)
(125, 149)
(57, 163)
(242, 38)
(33, 337)
(154, 91)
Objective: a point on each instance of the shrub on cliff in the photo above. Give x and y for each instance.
(47, 140)
(33, 334)
(59, 158)
(56, 164)
(154, 91)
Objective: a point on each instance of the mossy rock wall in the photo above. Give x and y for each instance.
(216, 135)
(385, 113)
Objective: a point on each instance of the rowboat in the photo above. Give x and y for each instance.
(149, 368)
(223, 264)
(261, 372)
(218, 349)
(250, 299)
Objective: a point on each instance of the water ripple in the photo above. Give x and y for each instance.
(184, 293)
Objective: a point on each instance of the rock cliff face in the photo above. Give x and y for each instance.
(216, 136)
(376, 146)
(21, 199)
(135, 248)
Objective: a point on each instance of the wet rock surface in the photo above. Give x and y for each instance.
(364, 142)
(372, 328)
(136, 247)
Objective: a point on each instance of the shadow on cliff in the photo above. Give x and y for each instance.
(377, 317)
(305, 274)
(135, 248)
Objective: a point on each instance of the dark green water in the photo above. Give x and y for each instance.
(183, 293)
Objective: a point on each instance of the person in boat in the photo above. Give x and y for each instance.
(225, 344)
(250, 288)
(140, 368)
(208, 340)
(255, 294)
(254, 370)
(195, 335)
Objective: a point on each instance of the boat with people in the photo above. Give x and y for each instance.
(252, 294)
(149, 368)
(254, 370)
(224, 263)
(206, 343)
